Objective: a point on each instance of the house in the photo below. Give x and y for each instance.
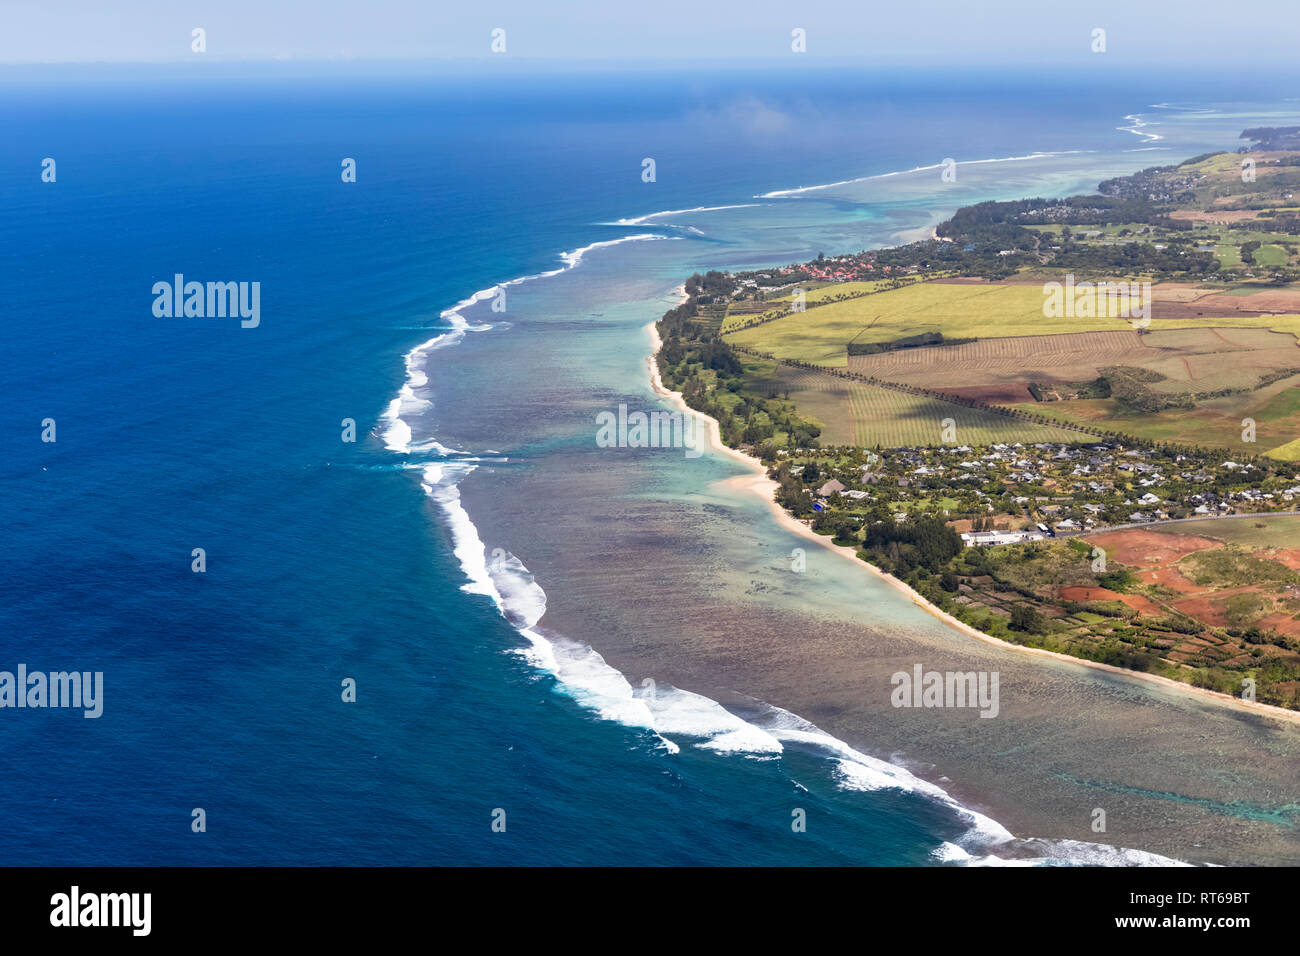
(987, 538)
(830, 488)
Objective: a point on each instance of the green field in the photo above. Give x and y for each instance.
(814, 295)
(1215, 423)
(819, 336)
(1281, 531)
(825, 292)
(1287, 452)
(855, 413)
(1270, 253)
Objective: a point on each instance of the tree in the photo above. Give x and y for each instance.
(1024, 618)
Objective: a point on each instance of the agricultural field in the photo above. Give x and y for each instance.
(831, 291)
(1290, 451)
(746, 313)
(1069, 357)
(1189, 360)
(988, 310)
(958, 310)
(1213, 423)
(1217, 363)
(1221, 339)
(869, 415)
(1178, 300)
(1182, 606)
(1238, 577)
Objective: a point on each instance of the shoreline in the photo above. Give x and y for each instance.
(760, 484)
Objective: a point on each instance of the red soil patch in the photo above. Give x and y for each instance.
(1178, 300)
(1135, 601)
(1142, 605)
(1139, 548)
(1203, 608)
(1171, 578)
(1281, 622)
(1079, 593)
(1287, 556)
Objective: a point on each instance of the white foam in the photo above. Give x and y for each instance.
(781, 193)
(572, 259)
(585, 675)
(687, 714)
(858, 771)
(1136, 124)
(505, 579)
(642, 220)
(1056, 853)
(440, 481)
(397, 434)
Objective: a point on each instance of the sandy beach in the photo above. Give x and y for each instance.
(759, 484)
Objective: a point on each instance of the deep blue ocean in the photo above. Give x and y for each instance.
(222, 688)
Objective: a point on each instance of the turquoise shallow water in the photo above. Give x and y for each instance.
(329, 560)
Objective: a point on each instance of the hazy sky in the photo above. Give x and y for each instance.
(1257, 34)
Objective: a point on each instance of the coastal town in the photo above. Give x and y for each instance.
(1177, 562)
(1005, 493)
(1122, 487)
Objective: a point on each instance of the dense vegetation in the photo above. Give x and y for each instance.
(906, 342)
(899, 509)
(695, 360)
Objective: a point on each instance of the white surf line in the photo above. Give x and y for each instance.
(1181, 109)
(1136, 128)
(597, 686)
(642, 220)
(584, 676)
(396, 434)
(780, 193)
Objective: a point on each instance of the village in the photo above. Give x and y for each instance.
(1008, 493)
